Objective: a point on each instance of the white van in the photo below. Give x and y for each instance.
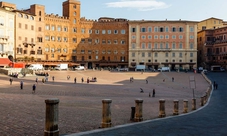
(164, 69)
(80, 68)
(36, 67)
(62, 67)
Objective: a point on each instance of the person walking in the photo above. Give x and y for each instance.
(88, 80)
(36, 80)
(33, 89)
(11, 81)
(216, 86)
(172, 79)
(75, 80)
(153, 95)
(53, 78)
(68, 77)
(146, 81)
(82, 79)
(21, 85)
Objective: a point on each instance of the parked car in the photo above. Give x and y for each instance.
(80, 68)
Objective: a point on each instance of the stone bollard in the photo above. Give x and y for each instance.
(185, 106)
(106, 113)
(162, 108)
(176, 107)
(51, 123)
(132, 113)
(139, 110)
(202, 101)
(193, 104)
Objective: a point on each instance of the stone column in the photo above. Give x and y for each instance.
(106, 113)
(162, 108)
(51, 123)
(185, 106)
(193, 104)
(139, 110)
(176, 107)
(202, 100)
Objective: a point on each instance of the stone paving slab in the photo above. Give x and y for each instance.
(80, 107)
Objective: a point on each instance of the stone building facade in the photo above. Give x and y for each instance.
(163, 43)
(212, 47)
(7, 30)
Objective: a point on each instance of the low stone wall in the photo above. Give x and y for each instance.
(19, 71)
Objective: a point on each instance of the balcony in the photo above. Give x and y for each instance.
(161, 50)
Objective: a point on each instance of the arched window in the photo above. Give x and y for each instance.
(40, 13)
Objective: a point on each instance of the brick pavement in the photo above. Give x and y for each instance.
(22, 113)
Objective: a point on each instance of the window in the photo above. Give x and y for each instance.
(191, 37)
(180, 55)
(180, 46)
(52, 38)
(89, 41)
(46, 49)
(66, 29)
(167, 45)
(133, 37)
(115, 31)
(96, 31)
(161, 36)
(149, 37)
(181, 29)
(143, 29)
(143, 54)
(133, 29)
(90, 31)
(74, 21)
(191, 29)
(149, 55)
(156, 29)
(19, 25)
(47, 38)
(103, 31)
(156, 54)
(143, 37)
(74, 6)
(149, 45)
(32, 27)
(74, 40)
(82, 30)
(149, 29)
(133, 54)
(96, 40)
(173, 54)
(115, 41)
(40, 29)
(82, 40)
(52, 27)
(156, 46)
(161, 29)
(156, 37)
(26, 26)
(74, 13)
(180, 36)
(173, 45)
(173, 36)
(161, 45)
(52, 50)
(26, 16)
(109, 41)
(59, 28)
(167, 37)
(167, 29)
(173, 29)
(167, 54)
(74, 30)
(40, 13)
(65, 39)
(109, 31)
(122, 41)
(143, 45)
(52, 55)
(133, 45)
(40, 39)
(103, 41)
(122, 31)
(59, 39)
(82, 51)
(191, 46)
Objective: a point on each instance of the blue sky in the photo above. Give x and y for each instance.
(195, 10)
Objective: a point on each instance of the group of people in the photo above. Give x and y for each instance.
(22, 85)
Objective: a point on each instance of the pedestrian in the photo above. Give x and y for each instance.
(11, 81)
(21, 85)
(88, 80)
(75, 80)
(36, 80)
(33, 89)
(82, 79)
(43, 80)
(146, 81)
(53, 78)
(216, 86)
(163, 80)
(153, 95)
(149, 94)
(172, 79)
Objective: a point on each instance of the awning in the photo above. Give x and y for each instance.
(4, 62)
(74, 64)
(50, 64)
